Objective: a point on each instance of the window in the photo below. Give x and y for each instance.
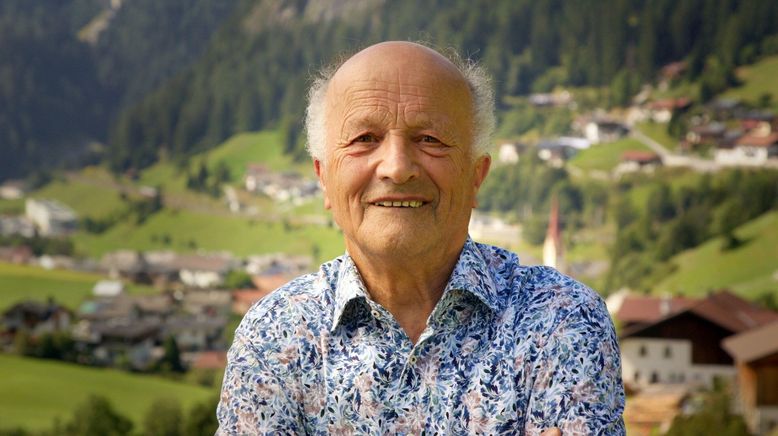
(637, 376)
(654, 377)
(668, 352)
(643, 351)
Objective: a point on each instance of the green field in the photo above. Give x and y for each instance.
(605, 157)
(758, 79)
(658, 132)
(256, 147)
(12, 207)
(92, 194)
(69, 288)
(190, 231)
(35, 392)
(749, 269)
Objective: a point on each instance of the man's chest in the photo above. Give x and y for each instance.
(469, 378)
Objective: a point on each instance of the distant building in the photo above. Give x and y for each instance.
(484, 227)
(51, 218)
(685, 346)
(555, 99)
(16, 225)
(632, 310)
(661, 111)
(108, 288)
(243, 299)
(638, 160)
(756, 355)
(204, 271)
(12, 190)
(508, 153)
(553, 249)
(598, 131)
(557, 151)
(749, 150)
(34, 318)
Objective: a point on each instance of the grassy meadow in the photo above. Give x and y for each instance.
(757, 79)
(69, 288)
(749, 269)
(605, 157)
(35, 391)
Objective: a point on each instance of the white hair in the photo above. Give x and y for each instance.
(478, 81)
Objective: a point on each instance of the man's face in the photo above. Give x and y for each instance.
(398, 172)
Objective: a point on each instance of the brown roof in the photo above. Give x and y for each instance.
(646, 309)
(269, 282)
(723, 309)
(670, 103)
(211, 360)
(732, 312)
(758, 141)
(640, 156)
(753, 344)
(249, 296)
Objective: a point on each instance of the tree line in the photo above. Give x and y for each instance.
(178, 77)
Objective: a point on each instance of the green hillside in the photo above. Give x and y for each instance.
(190, 231)
(23, 282)
(34, 392)
(605, 157)
(749, 269)
(757, 80)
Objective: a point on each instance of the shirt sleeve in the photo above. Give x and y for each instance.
(259, 394)
(577, 385)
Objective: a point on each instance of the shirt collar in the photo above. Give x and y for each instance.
(471, 274)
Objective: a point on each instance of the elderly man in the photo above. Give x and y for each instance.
(417, 329)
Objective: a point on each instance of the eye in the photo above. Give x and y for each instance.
(365, 137)
(429, 139)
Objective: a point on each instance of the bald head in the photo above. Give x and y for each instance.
(415, 68)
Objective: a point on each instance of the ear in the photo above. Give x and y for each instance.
(482, 166)
(318, 168)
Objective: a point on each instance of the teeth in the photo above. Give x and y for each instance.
(414, 203)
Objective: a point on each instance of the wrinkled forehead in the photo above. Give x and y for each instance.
(419, 76)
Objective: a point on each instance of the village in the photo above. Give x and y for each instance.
(672, 347)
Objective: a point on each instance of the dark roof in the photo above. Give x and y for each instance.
(722, 308)
(753, 344)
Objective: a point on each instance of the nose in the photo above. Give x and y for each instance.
(397, 160)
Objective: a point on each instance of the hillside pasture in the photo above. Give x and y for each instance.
(749, 269)
(605, 157)
(69, 288)
(34, 392)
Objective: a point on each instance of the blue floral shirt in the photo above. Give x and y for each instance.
(508, 349)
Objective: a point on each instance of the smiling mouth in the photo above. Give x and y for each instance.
(409, 204)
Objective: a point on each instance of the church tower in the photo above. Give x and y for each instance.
(553, 255)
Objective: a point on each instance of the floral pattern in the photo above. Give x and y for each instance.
(509, 349)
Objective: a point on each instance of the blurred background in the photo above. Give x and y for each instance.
(154, 184)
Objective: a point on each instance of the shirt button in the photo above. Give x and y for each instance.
(375, 313)
(412, 360)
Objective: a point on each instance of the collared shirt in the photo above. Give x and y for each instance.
(508, 349)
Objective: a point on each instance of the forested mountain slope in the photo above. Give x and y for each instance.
(182, 76)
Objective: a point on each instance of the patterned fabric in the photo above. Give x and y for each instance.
(508, 349)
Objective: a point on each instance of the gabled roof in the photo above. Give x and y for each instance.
(648, 309)
(758, 141)
(753, 344)
(724, 309)
(640, 156)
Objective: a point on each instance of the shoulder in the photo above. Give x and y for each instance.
(540, 294)
(301, 308)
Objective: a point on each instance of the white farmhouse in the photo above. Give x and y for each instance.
(686, 346)
(749, 150)
(51, 218)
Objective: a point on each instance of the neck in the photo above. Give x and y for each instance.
(408, 287)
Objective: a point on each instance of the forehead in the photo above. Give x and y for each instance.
(418, 88)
